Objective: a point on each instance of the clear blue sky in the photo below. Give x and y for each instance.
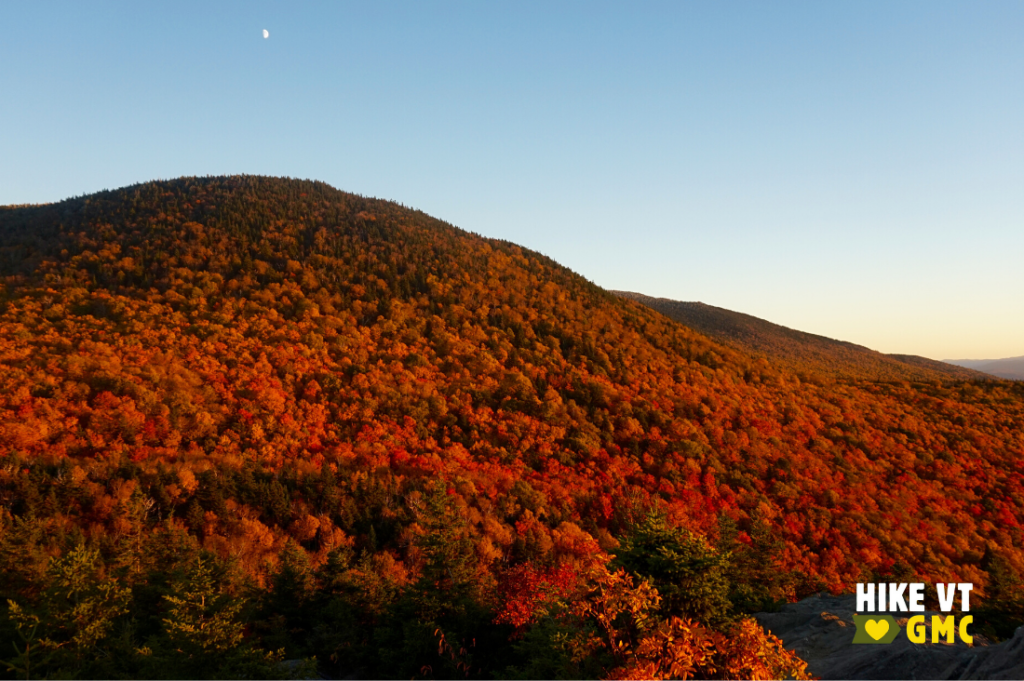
(853, 169)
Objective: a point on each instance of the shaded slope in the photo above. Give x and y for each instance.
(1011, 367)
(800, 351)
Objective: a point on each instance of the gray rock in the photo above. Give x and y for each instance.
(820, 630)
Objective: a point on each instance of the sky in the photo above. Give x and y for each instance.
(851, 169)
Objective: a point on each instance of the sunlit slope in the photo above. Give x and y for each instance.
(236, 324)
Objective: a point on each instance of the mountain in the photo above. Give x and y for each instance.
(244, 418)
(1011, 367)
(803, 353)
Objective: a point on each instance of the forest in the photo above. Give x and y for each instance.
(258, 427)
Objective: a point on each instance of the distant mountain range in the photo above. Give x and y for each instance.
(807, 352)
(1011, 367)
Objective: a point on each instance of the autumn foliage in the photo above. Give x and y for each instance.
(348, 430)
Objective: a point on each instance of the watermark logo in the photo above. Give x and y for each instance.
(878, 629)
(884, 599)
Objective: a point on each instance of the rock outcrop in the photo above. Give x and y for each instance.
(820, 629)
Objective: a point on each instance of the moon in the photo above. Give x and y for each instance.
(266, 34)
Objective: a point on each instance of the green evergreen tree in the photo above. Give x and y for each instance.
(689, 573)
(203, 634)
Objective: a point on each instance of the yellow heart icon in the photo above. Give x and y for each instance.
(876, 628)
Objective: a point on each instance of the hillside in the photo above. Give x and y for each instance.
(1011, 367)
(802, 352)
(245, 415)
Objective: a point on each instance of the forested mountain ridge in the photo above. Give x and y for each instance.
(802, 352)
(1009, 367)
(405, 449)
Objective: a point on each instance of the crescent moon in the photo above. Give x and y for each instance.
(266, 33)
